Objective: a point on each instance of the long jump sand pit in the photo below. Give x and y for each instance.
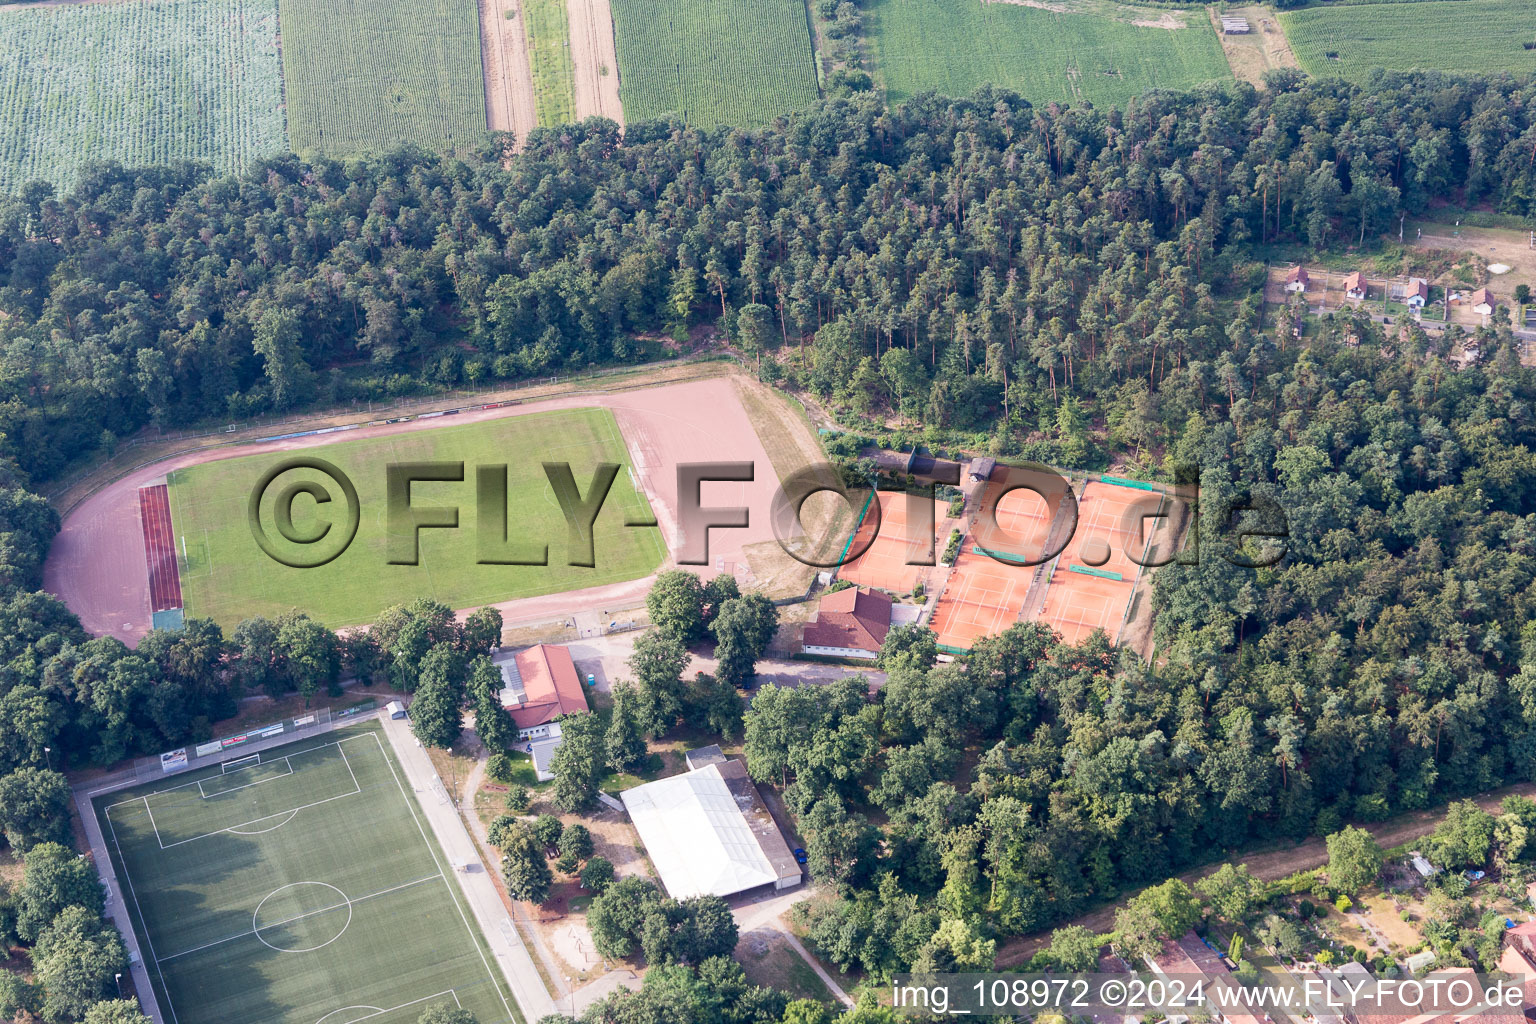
(897, 547)
(97, 564)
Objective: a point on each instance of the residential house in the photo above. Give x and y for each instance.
(851, 623)
(1296, 279)
(539, 685)
(1354, 286)
(1483, 301)
(1416, 294)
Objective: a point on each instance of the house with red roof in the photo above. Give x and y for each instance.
(539, 685)
(1296, 279)
(850, 623)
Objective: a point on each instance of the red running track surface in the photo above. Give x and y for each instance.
(159, 548)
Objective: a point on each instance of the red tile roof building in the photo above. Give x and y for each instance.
(851, 623)
(539, 685)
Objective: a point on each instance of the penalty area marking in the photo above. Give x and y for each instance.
(376, 1012)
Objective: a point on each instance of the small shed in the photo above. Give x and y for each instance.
(1420, 962)
(395, 709)
(981, 468)
(703, 756)
(1422, 866)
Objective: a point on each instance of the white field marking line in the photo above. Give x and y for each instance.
(299, 917)
(245, 785)
(151, 819)
(143, 921)
(188, 785)
(237, 830)
(264, 817)
(378, 1012)
(356, 789)
(409, 806)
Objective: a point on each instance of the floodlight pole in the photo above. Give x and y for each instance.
(48, 753)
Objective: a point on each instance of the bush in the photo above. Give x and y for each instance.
(547, 829)
(597, 875)
(567, 863)
(1343, 903)
(519, 799)
(575, 843)
(499, 768)
(1305, 909)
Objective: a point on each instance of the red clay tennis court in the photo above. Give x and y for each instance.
(986, 596)
(884, 566)
(1092, 582)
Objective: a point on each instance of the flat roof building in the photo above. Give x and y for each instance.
(708, 831)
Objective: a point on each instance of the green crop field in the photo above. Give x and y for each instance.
(368, 75)
(226, 576)
(153, 81)
(956, 46)
(713, 62)
(549, 57)
(1470, 36)
(301, 886)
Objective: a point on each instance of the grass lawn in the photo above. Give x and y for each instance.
(769, 960)
(712, 62)
(149, 82)
(304, 887)
(368, 75)
(1462, 36)
(1099, 53)
(226, 576)
(549, 53)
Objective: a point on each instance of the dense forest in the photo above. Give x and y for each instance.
(1073, 285)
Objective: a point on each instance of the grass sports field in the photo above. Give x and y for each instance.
(737, 62)
(1467, 36)
(368, 75)
(227, 577)
(153, 81)
(297, 885)
(957, 46)
(549, 55)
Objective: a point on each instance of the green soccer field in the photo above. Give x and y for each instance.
(299, 885)
(1096, 52)
(226, 576)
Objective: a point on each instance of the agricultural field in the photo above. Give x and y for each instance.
(549, 54)
(368, 75)
(1468, 36)
(227, 577)
(1103, 52)
(713, 62)
(148, 82)
(297, 884)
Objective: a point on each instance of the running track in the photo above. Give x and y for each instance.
(159, 548)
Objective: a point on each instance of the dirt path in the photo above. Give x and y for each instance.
(1268, 865)
(596, 61)
(508, 77)
(1263, 48)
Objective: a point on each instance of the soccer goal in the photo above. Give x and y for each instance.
(239, 763)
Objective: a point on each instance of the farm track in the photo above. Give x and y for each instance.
(508, 76)
(593, 52)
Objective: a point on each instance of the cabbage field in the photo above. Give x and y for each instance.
(146, 82)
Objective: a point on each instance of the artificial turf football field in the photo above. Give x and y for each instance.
(226, 576)
(298, 890)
